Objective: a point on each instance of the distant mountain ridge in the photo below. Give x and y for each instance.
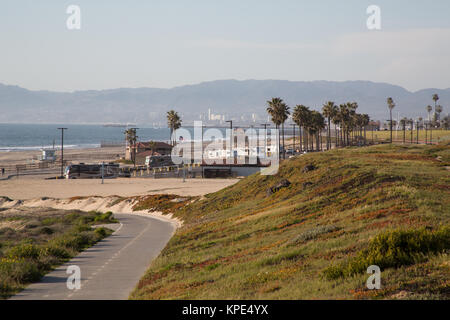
(231, 97)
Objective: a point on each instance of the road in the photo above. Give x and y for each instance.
(111, 269)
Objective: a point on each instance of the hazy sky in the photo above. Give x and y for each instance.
(166, 43)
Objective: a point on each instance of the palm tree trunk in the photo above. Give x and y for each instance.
(390, 123)
(284, 148)
(336, 137)
(329, 134)
(300, 135)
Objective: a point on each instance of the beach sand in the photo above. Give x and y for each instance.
(78, 155)
(36, 187)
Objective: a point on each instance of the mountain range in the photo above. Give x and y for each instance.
(230, 97)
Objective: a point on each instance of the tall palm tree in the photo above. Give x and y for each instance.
(317, 125)
(438, 113)
(300, 117)
(411, 126)
(131, 138)
(391, 105)
(435, 99)
(335, 120)
(403, 123)
(327, 111)
(365, 123)
(279, 111)
(429, 109)
(174, 123)
(344, 117)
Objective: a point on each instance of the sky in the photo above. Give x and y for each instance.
(168, 43)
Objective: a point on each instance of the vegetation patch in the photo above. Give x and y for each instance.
(357, 209)
(36, 242)
(393, 249)
(164, 203)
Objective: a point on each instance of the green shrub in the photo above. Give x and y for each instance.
(101, 232)
(75, 242)
(50, 221)
(70, 218)
(25, 271)
(393, 249)
(56, 251)
(24, 250)
(106, 217)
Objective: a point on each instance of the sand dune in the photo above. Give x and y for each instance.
(27, 188)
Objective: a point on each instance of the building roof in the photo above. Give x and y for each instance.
(156, 145)
(148, 153)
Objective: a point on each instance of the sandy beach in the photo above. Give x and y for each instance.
(31, 188)
(35, 186)
(77, 155)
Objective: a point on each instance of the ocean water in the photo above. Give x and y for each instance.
(16, 137)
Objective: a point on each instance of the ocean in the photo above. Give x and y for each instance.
(17, 137)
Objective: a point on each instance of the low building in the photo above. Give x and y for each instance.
(143, 149)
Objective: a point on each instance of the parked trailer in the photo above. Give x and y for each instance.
(92, 171)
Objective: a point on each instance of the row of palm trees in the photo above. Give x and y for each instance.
(312, 122)
(432, 120)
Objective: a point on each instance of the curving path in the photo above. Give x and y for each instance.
(111, 269)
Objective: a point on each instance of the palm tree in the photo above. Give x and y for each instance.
(343, 119)
(300, 117)
(435, 99)
(327, 111)
(403, 123)
(279, 111)
(391, 105)
(317, 125)
(446, 122)
(131, 138)
(411, 123)
(174, 123)
(429, 109)
(365, 123)
(438, 113)
(335, 120)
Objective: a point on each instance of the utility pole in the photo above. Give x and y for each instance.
(265, 138)
(62, 150)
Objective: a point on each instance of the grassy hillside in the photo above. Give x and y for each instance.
(315, 238)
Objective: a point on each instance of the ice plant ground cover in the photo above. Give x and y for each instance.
(312, 239)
